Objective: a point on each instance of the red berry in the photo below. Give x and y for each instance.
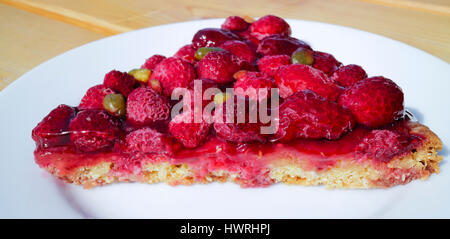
(280, 45)
(212, 37)
(250, 84)
(325, 62)
(269, 25)
(382, 145)
(188, 131)
(348, 75)
(93, 130)
(245, 35)
(240, 49)
(187, 53)
(195, 95)
(218, 66)
(147, 107)
(374, 101)
(53, 129)
(93, 99)
(297, 77)
(146, 140)
(235, 23)
(153, 61)
(172, 73)
(271, 64)
(308, 115)
(238, 129)
(121, 82)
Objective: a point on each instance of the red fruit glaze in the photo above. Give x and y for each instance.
(93, 131)
(269, 25)
(235, 23)
(308, 115)
(271, 64)
(240, 49)
(212, 37)
(297, 77)
(147, 140)
(374, 101)
(153, 61)
(325, 62)
(146, 107)
(218, 66)
(173, 72)
(187, 53)
(348, 75)
(53, 129)
(280, 45)
(250, 83)
(189, 132)
(93, 99)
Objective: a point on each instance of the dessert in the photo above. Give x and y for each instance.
(246, 103)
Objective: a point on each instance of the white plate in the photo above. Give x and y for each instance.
(27, 191)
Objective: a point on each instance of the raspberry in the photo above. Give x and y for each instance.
(52, 130)
(93, 99)
(374, 101)
(147, 107)
(146, 140)
(206, 84)
(240, 130)
(308, 115)
(172, 73)
(187, 53)
(235, 23)
(93, 130)
(121, 82)
(212, 37)
(252, 82)
(280, 45)
(188, 132)
(325, 62)
(245, 35)
(271, 64)
(240, 49)
(297, 77)
(348, 75)
(218, 66)
(269, 25)
(382, 145)
(153, 61)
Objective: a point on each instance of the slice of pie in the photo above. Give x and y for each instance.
(245, 103)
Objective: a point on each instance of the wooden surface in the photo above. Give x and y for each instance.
(32, 31)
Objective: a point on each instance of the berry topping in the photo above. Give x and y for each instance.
(374, 101)
(302, 56)
(93, 99)
(188, 131)
(325, 62)
(255, 85)
(147, 140)
(153, 61)
(269, 25)
(203, 51)
(53, 129)
(93, 130)
(235, 23)
(280, 45)
(382, 145)
(348, 75)
(240, 49)
(210, 37)
(172, 73)
(218, 66)
(121, 82)
(297, 77)
(271, 64)
(115, 104)
(308, 115)
(234, 123)
(146, 107)
(141, 75)
(187, 53)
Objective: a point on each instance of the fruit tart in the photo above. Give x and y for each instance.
(246, 103)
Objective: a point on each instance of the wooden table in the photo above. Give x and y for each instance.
(32, 31)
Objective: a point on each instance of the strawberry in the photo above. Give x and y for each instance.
(153, 61)
(146, 107)
(187, 131)
(172, 73)
(187, 53)
(269, 25)
(348, 75)
(93, 99)
(235, 23)
(325, 62)
(240, 49)
(219, 66)
(251, 83)
(271, 64)
(120, 82)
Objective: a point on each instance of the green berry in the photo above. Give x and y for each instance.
(141, 75)
(202, 51)
(115, 104)
(302, 56)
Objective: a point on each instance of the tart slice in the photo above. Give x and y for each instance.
(246, 103)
